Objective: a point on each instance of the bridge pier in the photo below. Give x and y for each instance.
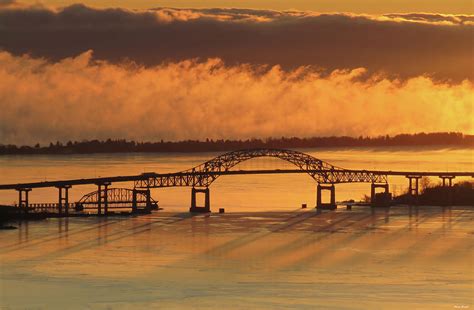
(448, 187)
(63, 199)
(449, 178)
(326, 206)
(413, 186)
(102, 197)
(23, 202)
(374, 201)
(207, 200)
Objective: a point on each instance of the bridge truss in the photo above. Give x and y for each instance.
(203, 175)
(206, 173)
(117, 198)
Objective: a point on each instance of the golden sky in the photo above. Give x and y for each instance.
(297, 73)
(356, 6)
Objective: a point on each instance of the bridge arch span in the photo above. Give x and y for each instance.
(118, 197)
(227, 161)
(204, 174)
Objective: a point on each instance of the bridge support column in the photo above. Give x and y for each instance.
(383, 200)
(99, 199)
(134, 201)
(207, 200)
(63, 200)
(148, 200)
(413, 186)
(102, 197)
(23, 202)
(448, 188)
(326, 206)
(449, 178)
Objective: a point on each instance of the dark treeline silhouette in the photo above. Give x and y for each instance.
(461, 194)
(209, 145)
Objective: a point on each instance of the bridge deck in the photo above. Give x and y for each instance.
(116, 179)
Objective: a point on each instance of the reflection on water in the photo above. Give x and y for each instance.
(402, 257)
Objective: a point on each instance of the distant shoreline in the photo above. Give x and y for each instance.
(430, 140)
(331, 148)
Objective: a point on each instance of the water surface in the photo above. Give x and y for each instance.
(265, 252)
(397, 258)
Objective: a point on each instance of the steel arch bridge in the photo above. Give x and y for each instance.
(204, 174)
(117, 198)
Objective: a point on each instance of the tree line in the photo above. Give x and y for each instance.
(452, 139)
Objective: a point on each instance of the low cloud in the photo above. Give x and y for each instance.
(429, 18)
(7, 3)
(84, 98)
(399, 45)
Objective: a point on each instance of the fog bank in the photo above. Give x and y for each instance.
(82, 98)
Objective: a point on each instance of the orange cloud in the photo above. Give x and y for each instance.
(80, 98)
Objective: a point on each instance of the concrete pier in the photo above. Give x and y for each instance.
(380, 199)
(102, 197)
(413, 187)
(332, 203)
(447, 182)
(207, 201)
(63, 199)
(23, 201)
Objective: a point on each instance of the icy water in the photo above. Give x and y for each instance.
(402, 258)
(265, 252)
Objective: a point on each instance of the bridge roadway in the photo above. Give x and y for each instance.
(150, 175)
(202, 176)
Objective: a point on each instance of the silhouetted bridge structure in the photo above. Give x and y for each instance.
(108, 200)
(202, 176)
